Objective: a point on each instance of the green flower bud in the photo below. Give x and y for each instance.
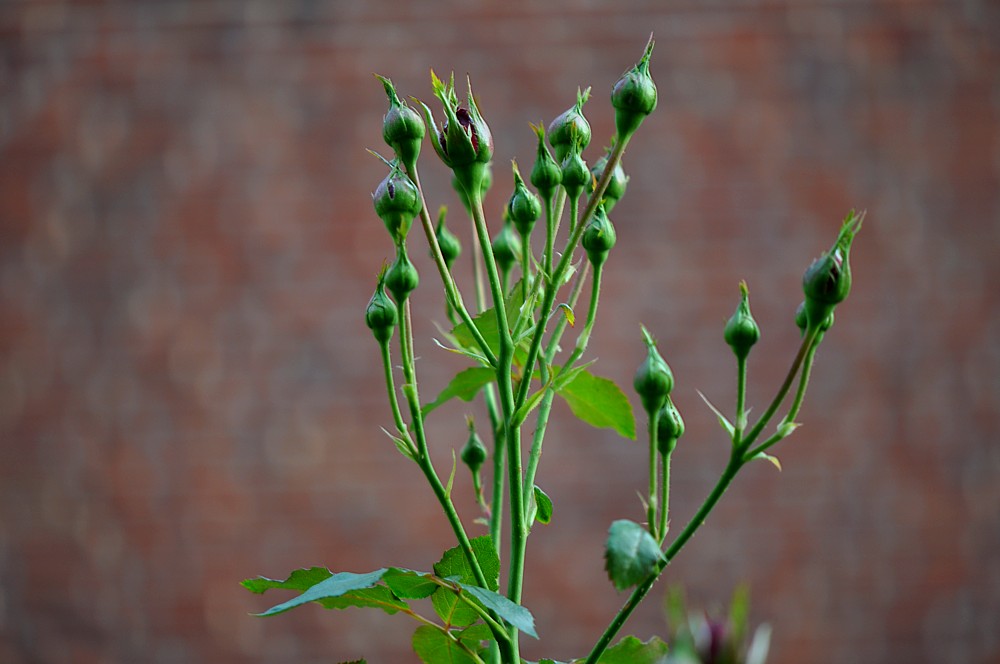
(464, 143)
(741, 331)
(381, 314)
(449, 243)
(402, 128)
(474, 453)
(827, 282)
(616, 185)
(575, 175)
(634, 95)
(506, 247)
(546, 174)
(653, 380)
(570, 127)
(402, 277)
(599, 237)
(397, 202)
(523, 208)
(669, 427)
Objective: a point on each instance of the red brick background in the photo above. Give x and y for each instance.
(188, 394)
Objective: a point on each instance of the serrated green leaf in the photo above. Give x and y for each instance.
(486, 322)
(376, 597)
(465, 386)
(631, 650)
(300, 579)
(331, 587)
(435, 647)
(600, 403)
(454, 564)
(474, 635)
(544, 503)
(631, 554)
(451, 609)
(723, 422)
(568, 376)
(407, 584)
(515, 614)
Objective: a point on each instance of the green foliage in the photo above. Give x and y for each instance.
(631, 554)
(435, 647)
(631, 650)
(454, 564)
(543, 505)
(465, 386)
(335, 585)
(600, 403)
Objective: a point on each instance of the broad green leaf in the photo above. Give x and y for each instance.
(600, 403)
(435, 647)
(454, 564)
(475, 634)
(408, 584)
(515, 614)
(568, 376)
(486, 322)
(465, 385)
(631, 650)
(377, 597)
(544, 503)
(331, 587)
(631, 554)
(452, 610)
(300, 579)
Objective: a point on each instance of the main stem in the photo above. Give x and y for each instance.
(512, 434)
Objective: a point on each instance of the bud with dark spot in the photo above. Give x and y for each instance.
(570, 128)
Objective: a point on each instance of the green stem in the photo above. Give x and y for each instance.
(564, 262)
(454, 296)
(581, 346)
(733, 467)
(800, 356)
(793, 410)
(664, 497)
(423, 454)
(741, 396)
(651, 505)
(512, 434)
(390, 384)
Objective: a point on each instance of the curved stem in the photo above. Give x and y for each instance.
(752, 435)
(390, 385)
(423, 456)
(454, 296)
(733, 467)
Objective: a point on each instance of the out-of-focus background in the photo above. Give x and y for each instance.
(189, 396)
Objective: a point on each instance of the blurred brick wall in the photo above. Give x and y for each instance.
(188, 395)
